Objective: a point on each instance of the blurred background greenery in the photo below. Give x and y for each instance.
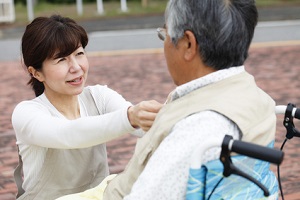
(112, 8)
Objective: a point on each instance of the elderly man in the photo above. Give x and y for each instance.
(206, 43)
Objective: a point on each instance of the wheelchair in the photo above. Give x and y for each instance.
(244, 175)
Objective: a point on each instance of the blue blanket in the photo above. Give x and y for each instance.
(202, 181)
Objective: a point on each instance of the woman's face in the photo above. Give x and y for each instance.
(65, 76)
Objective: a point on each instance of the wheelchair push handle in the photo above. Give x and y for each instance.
(295, 112)
(253, 150)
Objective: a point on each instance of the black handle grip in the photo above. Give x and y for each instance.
(257, 151)
(297, 114)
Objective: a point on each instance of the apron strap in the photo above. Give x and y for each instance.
(18, 176)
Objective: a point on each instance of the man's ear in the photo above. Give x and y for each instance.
(192, 45)
(35, 73)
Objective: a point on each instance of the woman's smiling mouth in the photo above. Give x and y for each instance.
(76, 81)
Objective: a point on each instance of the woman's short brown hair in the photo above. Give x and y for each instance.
(50, 37)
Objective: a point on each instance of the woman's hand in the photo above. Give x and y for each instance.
(143, 114)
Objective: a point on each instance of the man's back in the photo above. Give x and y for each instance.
(166, 171)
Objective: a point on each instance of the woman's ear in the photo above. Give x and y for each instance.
(35, 73)
(192, 46)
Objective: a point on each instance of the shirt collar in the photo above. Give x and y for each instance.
(206, 80)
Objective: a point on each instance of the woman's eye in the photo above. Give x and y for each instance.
(80, 53)
(61, 59)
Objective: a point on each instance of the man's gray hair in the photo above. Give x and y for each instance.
(223, 28)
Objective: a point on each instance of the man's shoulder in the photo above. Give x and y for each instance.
(203, 118)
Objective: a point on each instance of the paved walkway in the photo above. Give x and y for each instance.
(143, 75)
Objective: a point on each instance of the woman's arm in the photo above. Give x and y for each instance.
(35, 125)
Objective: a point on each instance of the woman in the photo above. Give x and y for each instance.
(61, 133)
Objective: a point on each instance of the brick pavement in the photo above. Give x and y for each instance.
(144, 76)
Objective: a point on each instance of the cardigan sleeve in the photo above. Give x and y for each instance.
(108, 103)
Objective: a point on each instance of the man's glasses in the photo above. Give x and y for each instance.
(161, 33)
